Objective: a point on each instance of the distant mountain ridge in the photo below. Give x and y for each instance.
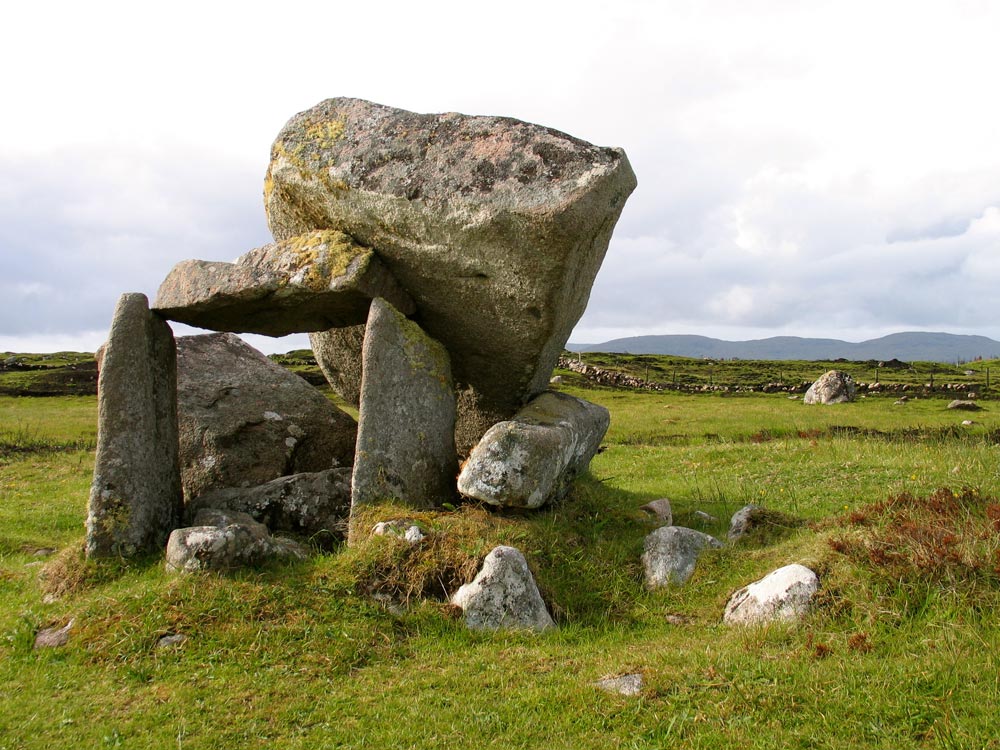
(909, 346)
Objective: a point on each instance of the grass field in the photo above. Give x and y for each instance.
(903, 649)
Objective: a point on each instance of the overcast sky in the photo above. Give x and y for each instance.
(805, 168)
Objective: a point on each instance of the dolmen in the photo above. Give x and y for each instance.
(438, 263)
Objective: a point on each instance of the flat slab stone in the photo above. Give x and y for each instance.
(311, 282)
(533, 458)
(784, 595)
(406, 426)
(503, 595)
(671, 553)
(496, 227)
(135, 498)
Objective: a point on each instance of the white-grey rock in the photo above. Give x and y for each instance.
(833, 387)
(399, 528)
(963, 405)
(53, 637)
(533, 458)
(671, 553)
(625, 684)
(660, 510)
(503, 595)
(743, 521)
(784, 595)
(556, 380)
(170, 640)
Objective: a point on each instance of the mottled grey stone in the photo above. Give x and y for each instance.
(833, 387)
(533, 458)
(784, 595)
(399, 528)
(496, 227)
(625, 684)
(660, 510)
(135, 497)
(406, 428)
(53, 637)
(963, 405)
(745, 520)
(311, 282)
(245, 420)
(670, 554)
(338, 354)
(503, 595)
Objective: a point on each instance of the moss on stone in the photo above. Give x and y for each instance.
(321, 256)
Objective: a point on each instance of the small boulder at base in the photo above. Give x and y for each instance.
(660, 510)
(406, 427)
(833, 387)
(224, 540)
(135, 498)
(503, 596)
(783, 595)
(533, 458)
(744, 521)
(338, 354)
(964, 405)
(311, 282)
(671, 553)
(54, 637)
(245, 420)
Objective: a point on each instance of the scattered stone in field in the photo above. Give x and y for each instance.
(744, 520)
(316, 504)
(338, 354)
(406, 430)
(673, 619)
(556, 380)
(625, 684)
(901, 400)
(533, 458)
(660, 510)
(968, 422)
(964, 405)
(670, 554)
(793, 397)
(315, 281)
(245, 420)
(783, 595)
(53, 637)
(972, 396)
(503, 595)
(833, 387)
(703, 518)
(170, 640)
(43, 552)
(135, 498)
(496, 228)
(399, 528)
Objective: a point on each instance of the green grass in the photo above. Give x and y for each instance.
(301, 656)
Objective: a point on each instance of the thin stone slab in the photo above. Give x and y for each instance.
(312, 282)
(406, 427)
(533, 458)
(496, 227)
(135, 497)
(503, 595)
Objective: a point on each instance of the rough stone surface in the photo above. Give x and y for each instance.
(833, 387)
(245, 420)
(316, 504)
(625, 684)
(660, 510)
(533, 458)
(53, 637)
(671, 553)
(135, 497)
(399, 528)
(406, 428)
(783, 595)
(311, 282)
(963, 405)
(170, 640)
(744, 520)
(338, 354)
(503, 595)
(496, 227)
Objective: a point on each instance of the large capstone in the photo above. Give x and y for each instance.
(245, 420)
(406, 429)
(533, 458)
(503, 595)
(135, 498)
(307, 283)
(496, 227)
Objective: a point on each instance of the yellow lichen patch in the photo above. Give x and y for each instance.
(316, 258)
(325, 133)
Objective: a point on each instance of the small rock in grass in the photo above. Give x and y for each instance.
(967, 422)
(660, 510)
(503, 595)
(744, 520)
(53, 637)
(170, 639)
(625, 684)
(399, 528)
(783, 595)
(670, 554)
(964, 405)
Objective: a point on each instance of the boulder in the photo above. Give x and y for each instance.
(496, 227)
(625, 684)
(406, 427)
(311, 282)
(338, 354)
(503, 595)
(313, 503)
(135, 498)
(745, 520)
(833, 387)
(783, 595)
(533, 458)
(245, 420)
(963, 405)
(54, 637)
(670, 554)
(660, 510)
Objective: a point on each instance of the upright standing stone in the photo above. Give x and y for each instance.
(406, 443)
(135, 498)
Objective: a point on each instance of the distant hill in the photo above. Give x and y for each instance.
(909, 346)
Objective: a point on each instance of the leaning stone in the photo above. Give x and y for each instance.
(406, 429)
(135, 498)
(533, 458)
(338, 354)
(245, 420)
(53, 637)
(964, 405)
(660, 510)
(744, 521)
(626, 684)
(311, 503)
(784, 595)
(496, 228)
(833, 387)
(311, 282)
(503, 595)
(671, 553)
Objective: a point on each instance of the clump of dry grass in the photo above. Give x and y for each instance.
(67, 572)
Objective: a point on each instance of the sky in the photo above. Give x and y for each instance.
(805, 168)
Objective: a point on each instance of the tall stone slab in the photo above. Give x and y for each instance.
(135, 498)
(406, 444)
(496, 228)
